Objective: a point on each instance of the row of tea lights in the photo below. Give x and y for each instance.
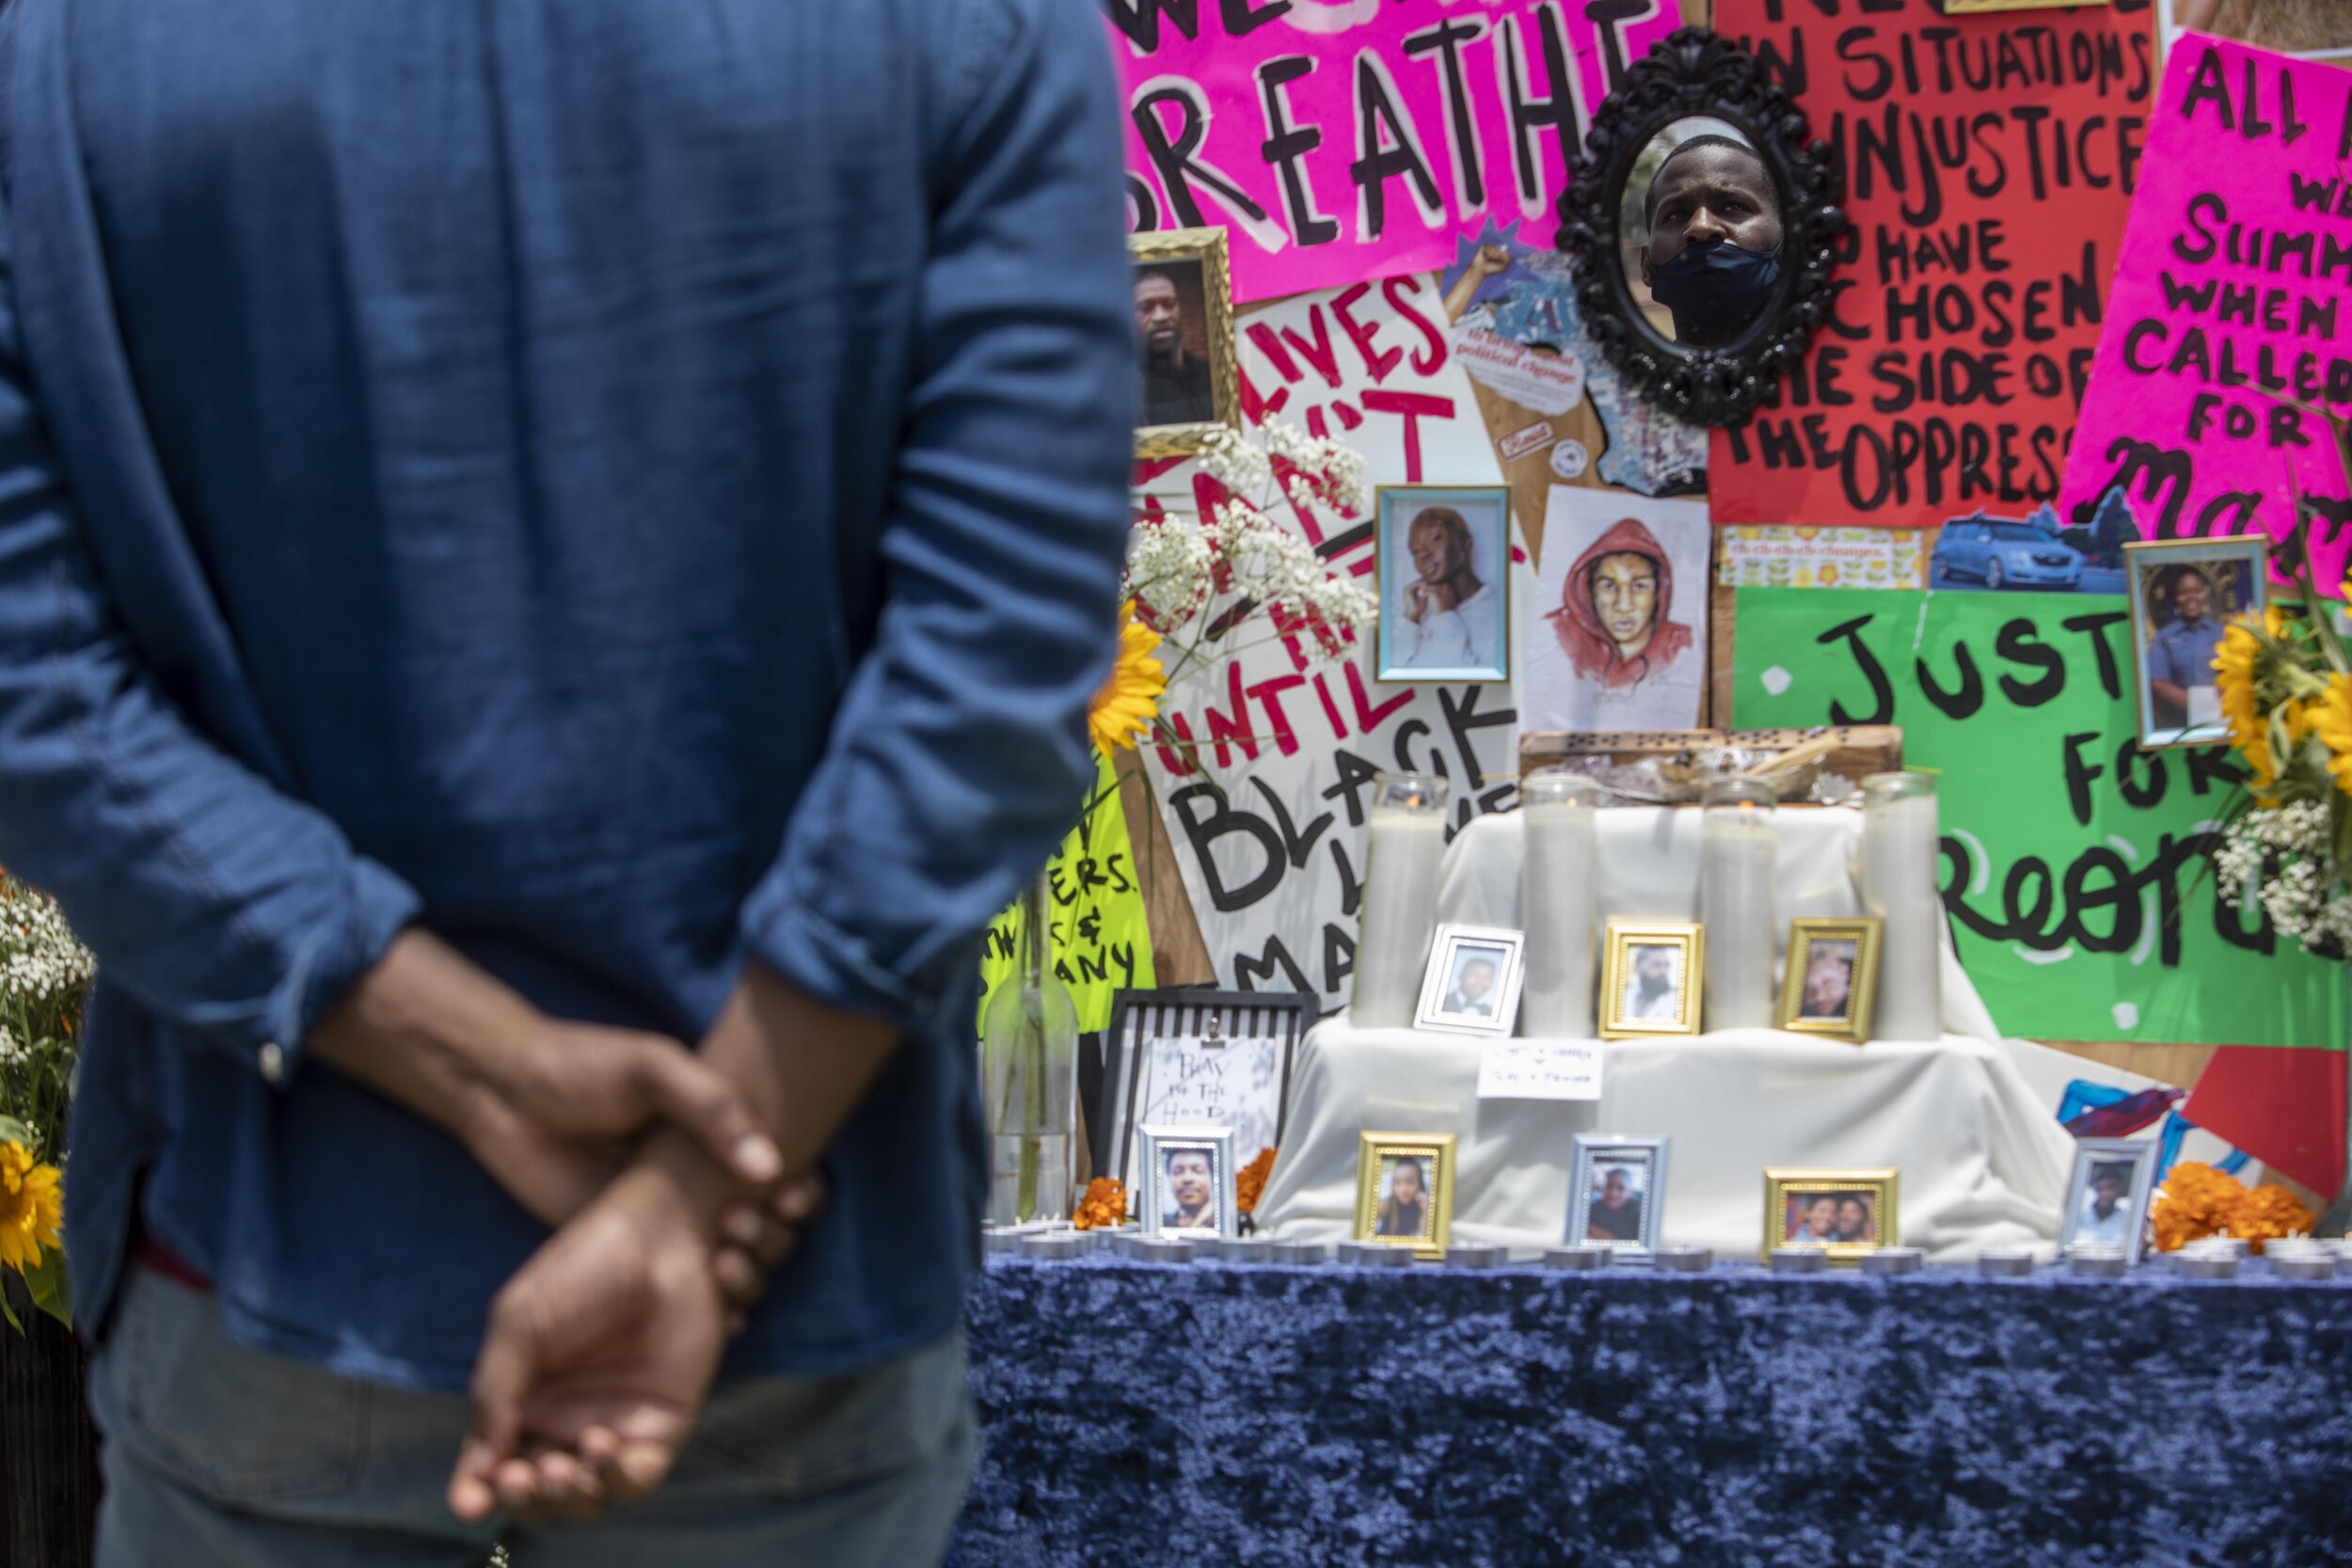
(2216, 1257)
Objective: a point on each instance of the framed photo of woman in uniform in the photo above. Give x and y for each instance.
(2184, 593)
(1405, 1191)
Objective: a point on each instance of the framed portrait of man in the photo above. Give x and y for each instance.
(1650, 980)
(1832, 984)
(1405, 1191)
(1471, 986)
(1616, 1191)
(1844, 1213)
(1445, 582)
(1189, 1177)
(1185, 375)
(2107, 1195)
(2184, 593)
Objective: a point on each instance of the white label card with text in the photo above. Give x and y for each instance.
(1540, 1069)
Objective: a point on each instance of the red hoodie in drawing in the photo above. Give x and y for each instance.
(1589, 646)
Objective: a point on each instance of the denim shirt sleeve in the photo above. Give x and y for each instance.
(221, 905)
(959, 756)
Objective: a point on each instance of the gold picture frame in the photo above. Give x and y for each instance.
(1376, 1155)
(1190, 258)
(1802, 1012)
(1627, 1018)
(1791, 1199)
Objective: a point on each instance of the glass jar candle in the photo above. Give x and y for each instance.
(1739, 874)
(1560, 898)
(1901, 861)
(1400, 898)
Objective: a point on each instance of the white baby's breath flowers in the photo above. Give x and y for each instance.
(2278, 857)
(1178, 566)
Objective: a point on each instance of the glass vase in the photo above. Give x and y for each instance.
(1029, 1076)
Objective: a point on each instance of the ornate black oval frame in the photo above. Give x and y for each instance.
(1698, 72)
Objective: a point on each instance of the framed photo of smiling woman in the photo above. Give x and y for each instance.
(1444, 556)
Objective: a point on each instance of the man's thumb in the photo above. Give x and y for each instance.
(698, 1098)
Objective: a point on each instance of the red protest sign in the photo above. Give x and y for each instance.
(1990, 164)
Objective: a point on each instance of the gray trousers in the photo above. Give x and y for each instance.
(217, 1456)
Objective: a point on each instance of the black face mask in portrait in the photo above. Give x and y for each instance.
(1715, 290)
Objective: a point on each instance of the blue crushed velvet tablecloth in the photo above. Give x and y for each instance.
(1212, 1415)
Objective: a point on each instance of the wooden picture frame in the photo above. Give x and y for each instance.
(1198, 274)
(1626, 1016)
(1803, 1006)
(1377, 1157)
(1792, 1210)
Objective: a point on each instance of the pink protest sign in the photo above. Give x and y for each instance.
(2225, 333)
(1339, 141)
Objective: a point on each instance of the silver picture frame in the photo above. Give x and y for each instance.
(1156, 1205)
(1593, 1151)
(2234, 576)
(2093, 1156)
(1453, 948)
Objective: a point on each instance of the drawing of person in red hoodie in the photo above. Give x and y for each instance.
(1613, 620)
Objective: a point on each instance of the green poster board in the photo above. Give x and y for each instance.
(1100, 942)
(2074, 864)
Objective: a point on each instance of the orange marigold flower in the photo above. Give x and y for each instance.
(2195, 1201)
(1105, 1206)
(2268, 1213)
(1250, 1184)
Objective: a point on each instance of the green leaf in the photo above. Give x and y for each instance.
(10, 1312)
(15, 1132)
(53, 1291)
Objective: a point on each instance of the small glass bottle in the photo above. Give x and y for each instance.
(1739, 902)
(1560, 898)
(1400, 898)
(1901, 863)
(1029, 1076)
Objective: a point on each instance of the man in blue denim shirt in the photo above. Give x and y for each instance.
(530, 533)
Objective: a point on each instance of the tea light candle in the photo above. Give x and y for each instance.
(1738, 868)
(1300, 1255)
(1580, 1259)
(2005, 1263)
(1558, 881)
(1799, 1259)
(1400, 898)
(1901, 855)
(1682, 1260)
(1474, 1256)
(1376, 1255)
(1894, 1260)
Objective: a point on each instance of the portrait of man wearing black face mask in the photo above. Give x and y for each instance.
(1713, 257)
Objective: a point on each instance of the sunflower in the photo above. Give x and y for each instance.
(1130, 699)
(2331, 716)
(31, 1209)
(2241, 648)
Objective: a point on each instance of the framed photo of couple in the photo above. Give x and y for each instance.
(1845, 1212)
(1405, 1191)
